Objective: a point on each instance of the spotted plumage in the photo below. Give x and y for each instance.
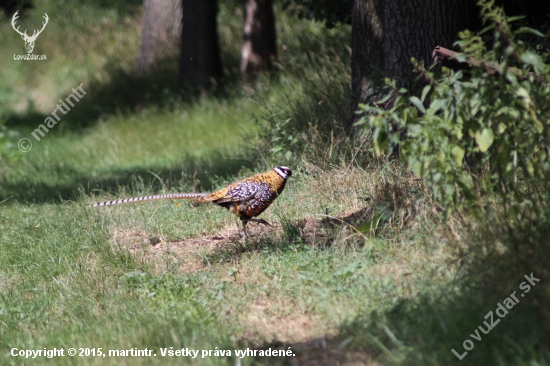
(247, 198)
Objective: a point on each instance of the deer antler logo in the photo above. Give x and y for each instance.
(29, 41)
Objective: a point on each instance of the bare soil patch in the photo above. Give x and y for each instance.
(190, 253)
(267, 319)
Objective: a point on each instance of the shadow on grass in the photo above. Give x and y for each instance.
(193, 174)
(423, 331)
(124, 93)
(493, 313)
(289, 240)
(314, 352)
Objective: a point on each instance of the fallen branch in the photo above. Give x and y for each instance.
(447, 58)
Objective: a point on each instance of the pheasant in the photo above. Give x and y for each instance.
(246, 198)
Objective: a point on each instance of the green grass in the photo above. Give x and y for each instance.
(65, 281)
(177, 146)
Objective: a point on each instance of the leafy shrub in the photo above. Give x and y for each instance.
(475, 133)
(309, 115)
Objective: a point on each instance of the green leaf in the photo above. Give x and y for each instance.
(436, 105)
(522, 93)
(385, 99)
(447, 214)
(418, 104)
(475, 104)
(458, 154)
(531, 58)
(484, 139)
(382, 214)
(361, 121)
(488, 28)
(349, 270)
(529, 31)
(515, 18)
(414, 130)
(460, 57)
(425, 92)
(415, 165)
(530, 168)
(380, 141)
(466, 180)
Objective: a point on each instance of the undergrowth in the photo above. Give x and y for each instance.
(478, 139)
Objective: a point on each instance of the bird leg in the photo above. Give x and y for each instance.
(243, 233)
(245, 221)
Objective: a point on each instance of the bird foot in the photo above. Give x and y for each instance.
(260, 221)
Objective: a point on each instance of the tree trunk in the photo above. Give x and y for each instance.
(200, 63)
(415, 27)
(367, 46)
(387, 33)
(160, 35)
(259, 42)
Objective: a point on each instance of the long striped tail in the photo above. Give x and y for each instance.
(174, 196)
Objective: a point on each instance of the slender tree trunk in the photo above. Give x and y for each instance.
(200, 63)
(259, 42)
(160, 35)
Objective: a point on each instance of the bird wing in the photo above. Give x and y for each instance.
(240, 192)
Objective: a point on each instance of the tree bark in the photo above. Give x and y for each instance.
(259, 40)
(387, 33)
(160, 35)
(415, 27)
(200, 63)
(367, 46)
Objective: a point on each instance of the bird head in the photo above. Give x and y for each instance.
(283, 171)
